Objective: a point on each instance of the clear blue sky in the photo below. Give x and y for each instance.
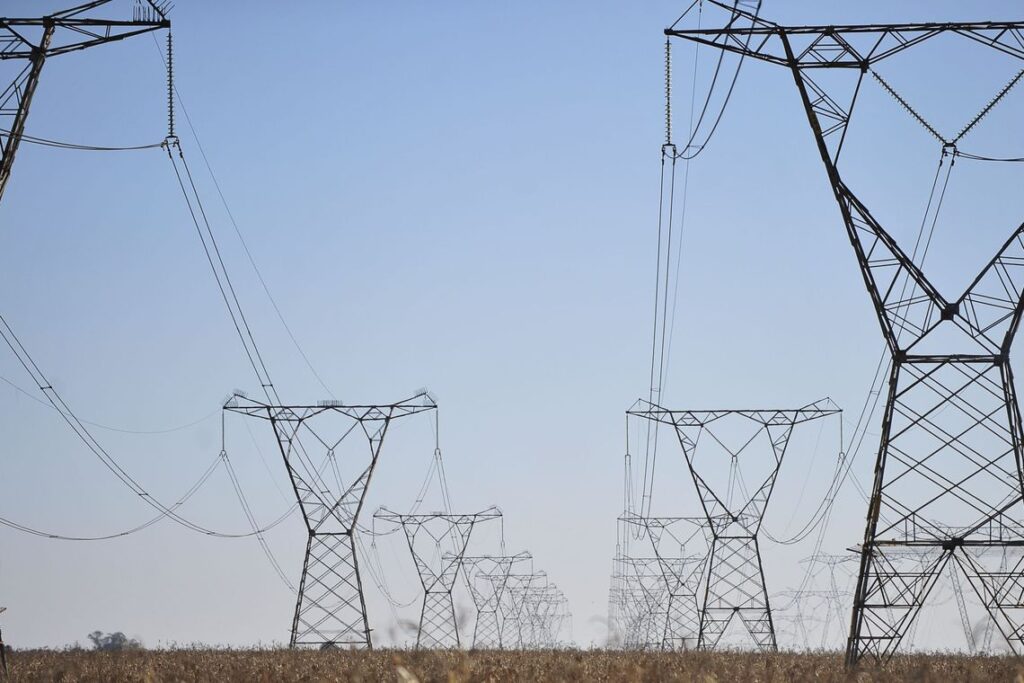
(459, 196)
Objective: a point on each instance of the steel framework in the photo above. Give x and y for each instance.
(487, 577)
(330, 610)
(514, 623)
(682, 570)
(33, 40)
(734, 583)
(544, 612)
(948, 474)
(439, 627)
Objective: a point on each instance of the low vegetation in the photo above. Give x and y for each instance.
(454, 666)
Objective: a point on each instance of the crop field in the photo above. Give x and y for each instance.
(450, 666)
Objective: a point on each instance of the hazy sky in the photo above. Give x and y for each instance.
(461, 196)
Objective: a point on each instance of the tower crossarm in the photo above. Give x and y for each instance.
(307, 438)
(843, 46)
(777, 424)
(78, 28)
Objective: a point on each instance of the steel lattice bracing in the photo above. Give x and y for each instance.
(330, 609)
(947, 480)
(514, 626)
(487, 577)
(676, 542)
(33, 40)
(428, 536)
(543, 613)
(734, 585)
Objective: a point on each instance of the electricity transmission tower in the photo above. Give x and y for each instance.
(330, 490)
(511, 608)
(948, 482)
(34, 40)
(645, 602)
(675, 541)
(426, 534)
(544, 611)
(734, 581)
(487, 577)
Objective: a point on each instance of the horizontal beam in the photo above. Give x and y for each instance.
(850, 46)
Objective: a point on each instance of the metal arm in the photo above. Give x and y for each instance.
(36, 39)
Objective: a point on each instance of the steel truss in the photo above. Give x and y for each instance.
(734, 583)
(948, 477)
(330, 610)
(644, 602)
(514, 623)
(487, 577)
(543, 611)
(426, 534)
(33, 40)
(681, 570)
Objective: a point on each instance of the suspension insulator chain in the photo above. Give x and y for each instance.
(668, 92)
(170, 85)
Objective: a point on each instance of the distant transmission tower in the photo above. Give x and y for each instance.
(330, 610)
(33, 40)
(428, 535)
(487, 577)
(513, 629)
(734, 584)
(681, 550)
(948, 479)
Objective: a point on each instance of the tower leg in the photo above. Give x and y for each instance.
(682, 623)
(438, 627)
(736, 588)
(1000, 589)
(330, 611)
(486, 634)
(890, 591)
(23, 94)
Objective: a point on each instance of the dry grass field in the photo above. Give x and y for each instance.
(563, 665)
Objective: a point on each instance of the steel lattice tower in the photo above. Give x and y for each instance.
(674, 541)
(34, 40)
(948, 481)
(487, 577)
(426, 534)
(734, 580)
(510, 606)
(330, 609)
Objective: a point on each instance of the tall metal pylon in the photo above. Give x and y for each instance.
(948, 480)
(544, 611)
(645, 601)
(514, 627)
(487, 578)
(681, 548)
(330, 610)
(734, 584)
(34, 40)
(427, 534)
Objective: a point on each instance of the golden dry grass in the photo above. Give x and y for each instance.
(564, 665)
